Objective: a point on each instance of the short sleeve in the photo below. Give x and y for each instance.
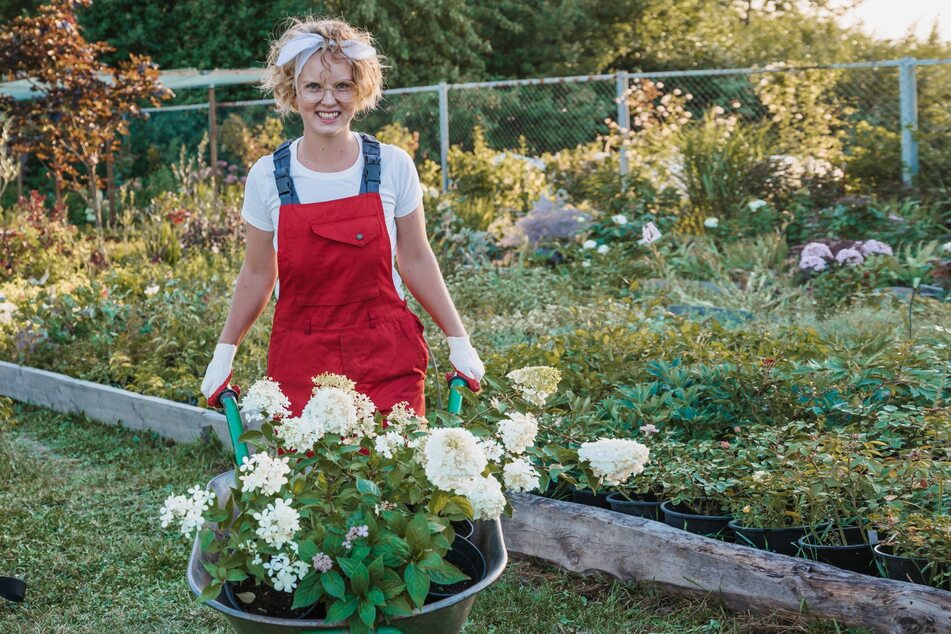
(256, 208)
(409, 193)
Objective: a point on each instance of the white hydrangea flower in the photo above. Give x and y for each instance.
(589, 244)
(614, 459)
(7, 310)
(151, 290)
(485, 495)
(402, 415)
(187, 509)
(278, 523)
(759, 476)
(603, 249)
(300, 433)
(520, 475)
(535, 383)
(452, 457)
(619, 219)
(332, 409)
(284, 574)
(712, 222)
(264, 474)
(756, 205)
(518, 432)
(946, 247)
(875, 247)
(493, 451)
(265, 401)
(389, 442)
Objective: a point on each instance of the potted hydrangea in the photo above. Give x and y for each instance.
(342, 516)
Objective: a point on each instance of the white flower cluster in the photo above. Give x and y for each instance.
(322, 562)
(520, 475)
(452, 457)
(188, 510)
(285, 574)
(278, 523)
(493, 450)
(264, 474)
(332, 409)
(518, 431)
(355, 532)
(535, 383)
(403, 415)
(389, 442)
(485, 495)
(265, 401)
(614, 459)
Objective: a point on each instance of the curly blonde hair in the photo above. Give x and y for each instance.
(367, 73)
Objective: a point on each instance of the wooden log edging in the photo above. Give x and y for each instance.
(584, 539)
(111, 405)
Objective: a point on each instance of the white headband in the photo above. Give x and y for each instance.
(302, 47)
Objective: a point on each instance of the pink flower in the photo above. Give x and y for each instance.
(724, 444)
(812, 263)
(648, 429)
(870, 247)
(816, 249)
(849, 256)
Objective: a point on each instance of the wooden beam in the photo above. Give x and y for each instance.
(111, 405)
(583, 539)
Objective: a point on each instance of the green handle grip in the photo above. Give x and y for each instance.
(229, 400)
(455, 396)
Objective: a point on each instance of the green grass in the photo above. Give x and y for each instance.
(78, 522)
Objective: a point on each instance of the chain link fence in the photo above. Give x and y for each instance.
(897, 112)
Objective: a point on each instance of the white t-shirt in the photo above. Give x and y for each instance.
(399, 189)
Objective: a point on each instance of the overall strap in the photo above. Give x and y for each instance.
(371, 165)
(282, 174)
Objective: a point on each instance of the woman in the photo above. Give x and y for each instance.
(324, 215)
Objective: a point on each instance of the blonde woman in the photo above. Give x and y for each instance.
(325, 216)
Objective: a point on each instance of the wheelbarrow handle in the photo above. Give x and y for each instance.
(229, 401)
(456, 383)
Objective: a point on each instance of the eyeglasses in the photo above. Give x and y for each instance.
(312, 92)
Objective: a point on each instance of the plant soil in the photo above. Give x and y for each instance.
(269, 602)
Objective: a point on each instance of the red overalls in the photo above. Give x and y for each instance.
(338, 310)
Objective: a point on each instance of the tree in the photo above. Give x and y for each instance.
(82, 106)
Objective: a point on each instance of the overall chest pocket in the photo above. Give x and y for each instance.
(347, 260)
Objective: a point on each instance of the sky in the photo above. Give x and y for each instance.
(892, 18)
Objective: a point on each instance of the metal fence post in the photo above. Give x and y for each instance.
(908, 90)
(623, 119)
(444, 134)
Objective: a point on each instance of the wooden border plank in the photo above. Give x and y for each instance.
(583, 539)
(111, 405)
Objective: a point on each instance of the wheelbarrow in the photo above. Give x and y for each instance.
(446, 616)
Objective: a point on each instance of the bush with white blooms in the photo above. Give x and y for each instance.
(355, 510)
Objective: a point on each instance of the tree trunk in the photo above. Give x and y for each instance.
(111, 188)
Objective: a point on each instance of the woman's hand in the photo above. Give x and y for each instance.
(466, 361)
(218, 373)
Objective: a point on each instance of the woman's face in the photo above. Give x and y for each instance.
(326, 95)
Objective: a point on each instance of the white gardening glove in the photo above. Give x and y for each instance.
(466, 361)
(218, 373)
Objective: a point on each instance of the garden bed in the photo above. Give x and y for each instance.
(584, 539)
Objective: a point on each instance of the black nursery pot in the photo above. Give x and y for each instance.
(463, 528)
(857, 555)
(466, 557)
(316, 611)
(717, 526)
(590, 498)
(775, 540)
(910, 569)
(640, 506)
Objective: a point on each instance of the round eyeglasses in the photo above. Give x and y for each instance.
(312, 92)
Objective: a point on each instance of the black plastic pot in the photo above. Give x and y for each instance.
(229, 591)
(590, 498)
(910, 569)
(463, 528)
(775, 540)
(641, 506)
(856, 555)
(467, 558)
(717, 526)
(441, 617)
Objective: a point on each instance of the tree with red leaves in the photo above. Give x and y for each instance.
(81, 106)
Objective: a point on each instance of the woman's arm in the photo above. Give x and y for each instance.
(254, 286)
(420, 272)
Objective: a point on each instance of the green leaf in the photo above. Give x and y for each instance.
(397, 606)
(417, 533)
(367, 487)
(347, 565)
(360, 581)
(251, 435)
(306, 550)
(308, 591)
(391, 584)
(417, 584)
(236, 574)
(206, 539)
(376, 597)
(334, 584)
(447, 574)
(342, 609)
(367, 613)
(376, 569)
(217, 515)
(438, 502)
(211, 592)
